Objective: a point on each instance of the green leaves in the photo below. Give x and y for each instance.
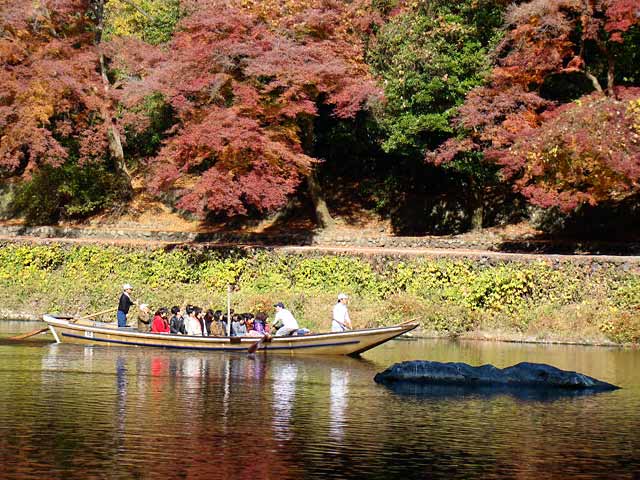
(450, 297)
(150, 20)
(427, 62)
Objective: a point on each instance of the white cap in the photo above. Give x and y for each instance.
(127, 286)
(342, 296)
(144, 306)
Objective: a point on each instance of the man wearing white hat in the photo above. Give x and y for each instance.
(341, 320)
(124, 304)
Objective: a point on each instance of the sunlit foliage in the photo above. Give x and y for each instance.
(584, 152)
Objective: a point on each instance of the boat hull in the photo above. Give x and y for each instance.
(352, 342)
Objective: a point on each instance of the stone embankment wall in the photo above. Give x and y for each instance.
(486, 248)
(486, 241)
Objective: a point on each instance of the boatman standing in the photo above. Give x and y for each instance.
(341, 321)
(124, 304)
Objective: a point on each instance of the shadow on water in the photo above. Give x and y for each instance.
(460, 392)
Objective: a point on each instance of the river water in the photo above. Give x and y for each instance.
(92, 413)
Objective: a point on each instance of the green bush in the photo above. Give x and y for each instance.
(67, 192)
(449, 297)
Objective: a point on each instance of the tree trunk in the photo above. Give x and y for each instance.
(323, 217)
(477, 206)
(320, 205)
(611, 65)
(115, 141)
(594, 81)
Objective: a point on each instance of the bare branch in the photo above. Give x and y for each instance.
(138, 8)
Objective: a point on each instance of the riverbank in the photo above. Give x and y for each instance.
(582, 300)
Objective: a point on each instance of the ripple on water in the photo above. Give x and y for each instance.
(115, 413)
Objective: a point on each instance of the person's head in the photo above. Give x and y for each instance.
(189, 309)
(164, 312)
(175, 310)
(197, 312)
(261, 317)
(144, 308)
(208, 315)
(158, 312)
(342, 298)
(127, 287)
(279, 306)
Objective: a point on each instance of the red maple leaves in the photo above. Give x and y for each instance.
(245, 92)
(50, 92)
(583, 152)
(244, 84)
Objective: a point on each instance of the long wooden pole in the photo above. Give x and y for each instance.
(254, 347)
(109, 310)
(228, 310)
(42, 330)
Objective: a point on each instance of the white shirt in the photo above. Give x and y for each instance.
(193, 326)
(286, 318)
(340, 318)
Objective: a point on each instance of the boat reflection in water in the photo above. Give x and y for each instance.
(339, 392)
(78, 413)
(285, 378)
(200, 408)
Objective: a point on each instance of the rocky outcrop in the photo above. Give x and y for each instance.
(414, 376)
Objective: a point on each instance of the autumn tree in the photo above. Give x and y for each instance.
(50, 92)
(53, 108)
(554, 52)
(245, 82)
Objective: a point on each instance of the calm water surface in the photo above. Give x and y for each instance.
(91, 413)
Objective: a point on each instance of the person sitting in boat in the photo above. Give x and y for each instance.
(341, 321)
(212, 323)
(217, 327)
(176, 323)
(238, 326)
(220, 323)
(284, 321)
(144, 317)
(195, 324)
(260, 323)
(124, 304)
(251, 326)
(160, 324)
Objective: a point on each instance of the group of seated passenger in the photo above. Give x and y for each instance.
(196, 321)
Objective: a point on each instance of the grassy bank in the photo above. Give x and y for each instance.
(528, 301)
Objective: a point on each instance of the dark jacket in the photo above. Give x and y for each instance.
(176, 324)
(125, 303)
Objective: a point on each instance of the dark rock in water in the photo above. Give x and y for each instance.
(529, 379)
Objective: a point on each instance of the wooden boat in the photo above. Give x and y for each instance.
(351, 342)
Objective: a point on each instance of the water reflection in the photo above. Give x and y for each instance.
(339, 393)
(523, 393)
(136, 413)
(121, 402)
(285, 377)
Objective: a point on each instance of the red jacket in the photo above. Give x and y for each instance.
(159, 325)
